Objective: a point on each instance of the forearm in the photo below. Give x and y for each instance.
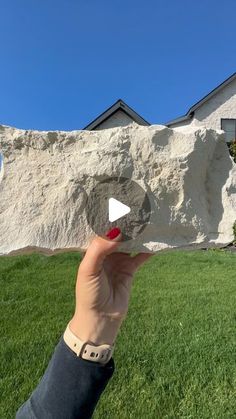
(70, 387)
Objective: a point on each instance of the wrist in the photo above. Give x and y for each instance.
(95, 328)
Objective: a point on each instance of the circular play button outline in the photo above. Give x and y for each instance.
(124, 192)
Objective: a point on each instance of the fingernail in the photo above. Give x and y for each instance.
(113, 233)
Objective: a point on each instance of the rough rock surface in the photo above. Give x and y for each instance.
(187, 172)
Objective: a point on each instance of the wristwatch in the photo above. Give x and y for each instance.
(87, 350)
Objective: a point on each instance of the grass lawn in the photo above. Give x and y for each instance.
(178, 341)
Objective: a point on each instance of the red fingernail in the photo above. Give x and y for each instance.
(113, 233)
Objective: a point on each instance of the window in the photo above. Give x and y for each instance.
(229, 126)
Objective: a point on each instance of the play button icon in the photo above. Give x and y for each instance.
(117, 209)
(117, 202)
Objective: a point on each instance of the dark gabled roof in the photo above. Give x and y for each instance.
(191, 111)
(119, 105)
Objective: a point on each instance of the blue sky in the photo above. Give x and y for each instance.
(64, 62)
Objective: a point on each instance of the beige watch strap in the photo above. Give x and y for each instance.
(86, 350)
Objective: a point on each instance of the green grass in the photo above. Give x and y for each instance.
(175, 355)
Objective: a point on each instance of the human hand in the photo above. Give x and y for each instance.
(103, 289)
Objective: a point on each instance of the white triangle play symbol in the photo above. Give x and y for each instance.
(117, 209)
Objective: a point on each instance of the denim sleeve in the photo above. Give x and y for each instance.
(69, 389)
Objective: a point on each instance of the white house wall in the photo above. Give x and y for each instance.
(119, 118)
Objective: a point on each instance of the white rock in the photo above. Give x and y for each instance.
(188, 175)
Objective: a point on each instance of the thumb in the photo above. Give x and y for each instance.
(99, 248)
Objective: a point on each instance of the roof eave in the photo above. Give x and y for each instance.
(119, 104)
(178, 120)
(193, 108)
(212, 93)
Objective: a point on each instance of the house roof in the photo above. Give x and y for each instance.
(191, 111)
(119, 105)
